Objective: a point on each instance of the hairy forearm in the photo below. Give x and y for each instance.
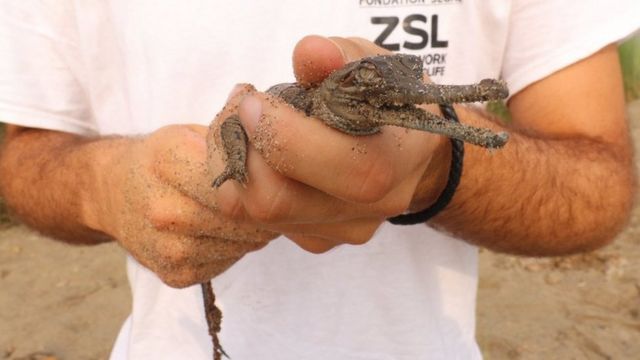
(539, 195)
(49, 181)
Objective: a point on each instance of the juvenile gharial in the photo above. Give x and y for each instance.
(358, 100)
(367, 94)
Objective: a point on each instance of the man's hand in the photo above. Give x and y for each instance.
(151, 194)
(165, 214)
(315, 184)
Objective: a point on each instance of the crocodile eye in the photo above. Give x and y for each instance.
(362, 75)
(367, 73)
(348, 79)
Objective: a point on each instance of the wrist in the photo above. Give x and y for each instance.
(435, 176)
(106, 173)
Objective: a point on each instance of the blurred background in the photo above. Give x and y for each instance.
(62, 302)
(630, 62)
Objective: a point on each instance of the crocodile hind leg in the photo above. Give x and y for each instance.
(234, 144)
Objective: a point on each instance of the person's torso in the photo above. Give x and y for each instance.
(407, 294)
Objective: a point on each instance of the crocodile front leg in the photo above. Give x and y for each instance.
(234, 138)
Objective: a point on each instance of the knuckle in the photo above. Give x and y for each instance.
(161, 216)
(169, 130)
(262, 237)
(262, 211)
(173, 134)
(373, 180)
(255, 239)
(159, 138)
(361, 237)
(232, 208)
(156, 165)
(312, 244)
(170, 147)
(221, 266)
(175, 256)
(362, 234)
(180, 278)
(269, 207)
(395, 205)
(320, 249)
(258, 211)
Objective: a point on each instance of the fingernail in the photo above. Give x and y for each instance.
(235, 91)
(250, 111)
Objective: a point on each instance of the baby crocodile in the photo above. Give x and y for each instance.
(367, 94)
(358, 100)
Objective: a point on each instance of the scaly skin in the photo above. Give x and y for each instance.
(370, 93)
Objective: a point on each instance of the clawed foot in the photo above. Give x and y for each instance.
(231, 173)
(234, 144)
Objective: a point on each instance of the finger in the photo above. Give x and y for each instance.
(313, 244)
(188, 276)
(182, 277)
(172, 212)
(354, 232)
(209, 250)
(272, 198)
(175, 251)
(315, 57)
(360, 169)
(321, 239)
(181, 260)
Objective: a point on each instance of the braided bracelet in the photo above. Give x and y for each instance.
(455, 172)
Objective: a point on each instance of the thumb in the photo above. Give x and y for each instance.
(315, 57)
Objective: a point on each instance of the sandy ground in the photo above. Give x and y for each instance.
(61, 302)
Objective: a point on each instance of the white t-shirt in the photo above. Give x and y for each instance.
(130, 67)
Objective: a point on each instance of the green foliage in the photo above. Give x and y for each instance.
(499, 109)
(630, 61)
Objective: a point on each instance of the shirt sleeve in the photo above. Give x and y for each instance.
(41, 67)
(548, 35)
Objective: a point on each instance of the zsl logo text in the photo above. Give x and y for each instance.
(414, 25)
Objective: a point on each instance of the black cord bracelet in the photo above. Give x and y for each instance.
(455, 172)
